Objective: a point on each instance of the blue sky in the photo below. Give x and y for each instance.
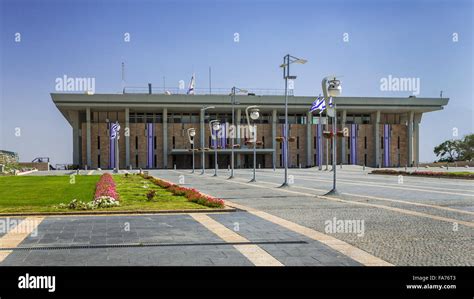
(401, 38)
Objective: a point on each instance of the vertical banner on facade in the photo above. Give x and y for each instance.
(319, 133)
(111, 147)
(386, 145)
(150, 144)
(353, 144)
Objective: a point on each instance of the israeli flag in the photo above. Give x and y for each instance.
(114, 129)
(331, 104)
(191, 85)
(318, 104)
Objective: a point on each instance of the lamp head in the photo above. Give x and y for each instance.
(255, 113)
(334, 88)
(216, 126)
(192, 132)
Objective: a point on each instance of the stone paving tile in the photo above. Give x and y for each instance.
(257, 229)
(176, 229)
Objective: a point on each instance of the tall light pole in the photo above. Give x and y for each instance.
(287, 60)
(333, 90)
(254, 115)
(215, 126)
(191, 134)
(203, 158)
(234, 135)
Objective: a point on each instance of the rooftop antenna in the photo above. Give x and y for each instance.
(123, 77)
(441, 94)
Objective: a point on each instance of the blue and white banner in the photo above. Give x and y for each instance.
(150, 145)
(353, 141)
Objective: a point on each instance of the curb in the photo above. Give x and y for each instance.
(139, 212)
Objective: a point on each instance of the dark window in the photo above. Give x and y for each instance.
(381, 142)
(315, 159)
(136, 142)
(263, 141)
(281, 145)
(349, 142)
(136, 161)
(297, 142)
(398, 142)
(98, 161)
(281, 160)
(154, 142)
(98, 142)
(314, 141)
(154, 161)
(365, 142)
(210, 142)
(298, 160)
(349, 158)
(174, 142)
(365, 159)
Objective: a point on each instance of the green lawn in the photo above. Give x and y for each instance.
(133, 189)
(42, 193)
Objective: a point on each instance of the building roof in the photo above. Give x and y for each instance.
(191, 103)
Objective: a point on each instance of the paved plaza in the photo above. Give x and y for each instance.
(414, 221)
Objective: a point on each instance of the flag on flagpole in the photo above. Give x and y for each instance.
(331, 104)
(318, 104)
(191, 85)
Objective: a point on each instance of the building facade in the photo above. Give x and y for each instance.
(378, 132)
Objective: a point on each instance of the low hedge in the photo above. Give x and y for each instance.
(460, 175)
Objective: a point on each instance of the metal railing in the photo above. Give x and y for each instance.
(202, 91)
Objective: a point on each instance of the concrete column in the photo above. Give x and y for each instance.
(165, 137)
(274, 131)
(88, 137)
(309, 122)
(237, 122)
(377, 139)
(343, 154)
(74, 116)
(417, 120)
(127, 137)
(410, 138)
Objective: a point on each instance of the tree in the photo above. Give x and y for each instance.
(454, 150)
(467, 148)
(447, 151)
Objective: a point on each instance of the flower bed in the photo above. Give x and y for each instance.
(106, 196)
(461, 175)
(191, 194)
(105, 187)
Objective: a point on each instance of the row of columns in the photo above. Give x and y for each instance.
(413, 136)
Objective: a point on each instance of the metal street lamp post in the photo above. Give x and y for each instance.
(254, 115)
(191, 134)
(215, 126)
(234, 135)
(203, 158)
(333, 90)
(287, 60)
